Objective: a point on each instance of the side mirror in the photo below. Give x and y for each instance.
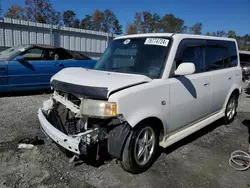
(185, 68)
(19, 58)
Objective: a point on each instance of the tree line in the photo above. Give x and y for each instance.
(42, 11)
(146, 21)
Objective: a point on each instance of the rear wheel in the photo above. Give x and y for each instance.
(231, 107)
(140, 149)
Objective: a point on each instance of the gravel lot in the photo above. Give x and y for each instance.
(201, 160)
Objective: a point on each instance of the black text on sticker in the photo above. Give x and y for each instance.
(156, 41)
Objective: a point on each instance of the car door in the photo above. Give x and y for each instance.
(3, 76)
(189, 95)
(217, 63)
(35, 70)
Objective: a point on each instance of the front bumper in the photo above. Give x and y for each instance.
(67, 142)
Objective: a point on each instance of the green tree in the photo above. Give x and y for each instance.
(15, 12)
(138, 22)
(97, 19)
(155, 23)
(243, 42)
(56, 18)
(40, 11)
(110, 22)
(231, 34)
(69, 18)
(220, 33)
(208, 33)
(76, 23)
(196, 29)
(146, 22)
(117, 28)
(86, 23)
(171, 24)
(131, 29)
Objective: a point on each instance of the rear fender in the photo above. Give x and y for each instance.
(232, 89)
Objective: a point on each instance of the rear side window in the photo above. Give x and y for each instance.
(233, 56)
(207, 55)
(220, 55)
(216, 57)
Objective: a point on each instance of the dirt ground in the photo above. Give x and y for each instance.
(201, 160)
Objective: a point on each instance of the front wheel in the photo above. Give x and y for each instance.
(140, 149)
(230, 111)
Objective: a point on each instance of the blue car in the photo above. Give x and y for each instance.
(30, 67)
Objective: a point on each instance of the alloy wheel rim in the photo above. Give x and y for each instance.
(144, 146)
(231, 109)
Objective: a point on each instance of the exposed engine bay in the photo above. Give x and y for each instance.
(66, 113)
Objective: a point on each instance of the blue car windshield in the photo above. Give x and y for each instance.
(10, 52)
(145, 56)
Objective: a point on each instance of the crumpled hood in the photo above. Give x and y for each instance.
(83, 80)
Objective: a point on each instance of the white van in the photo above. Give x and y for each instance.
(146, 91)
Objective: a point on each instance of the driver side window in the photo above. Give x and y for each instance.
(191, 51)
(34, 54)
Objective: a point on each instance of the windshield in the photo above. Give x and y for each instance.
(145, 56)
(10, 52)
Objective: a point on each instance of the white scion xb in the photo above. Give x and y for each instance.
(146, 91)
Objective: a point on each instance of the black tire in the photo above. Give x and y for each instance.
(229, 119)
(128, 160)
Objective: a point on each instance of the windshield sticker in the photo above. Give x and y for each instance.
(22, 49)
(126, 41)
(156, 41)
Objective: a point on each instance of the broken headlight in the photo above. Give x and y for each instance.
(97, 108)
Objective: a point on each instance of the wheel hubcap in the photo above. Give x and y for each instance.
(144, 145)
(231, 109)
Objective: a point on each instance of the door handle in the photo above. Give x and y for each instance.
(230, 78)
(206, 84)
(2, 68)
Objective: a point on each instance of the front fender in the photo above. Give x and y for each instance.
(144, 101)
(143, 113)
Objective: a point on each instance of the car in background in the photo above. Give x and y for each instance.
(245, 64)
(30, 67)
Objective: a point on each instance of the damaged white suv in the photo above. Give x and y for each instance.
(146, 91)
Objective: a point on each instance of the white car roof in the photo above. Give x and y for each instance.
(174, 35)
